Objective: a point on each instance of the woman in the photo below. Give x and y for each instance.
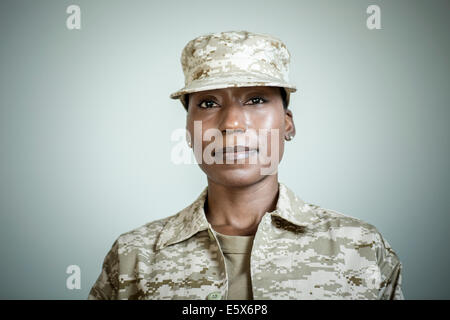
(247, 235)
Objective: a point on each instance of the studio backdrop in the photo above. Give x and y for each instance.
(86, 126)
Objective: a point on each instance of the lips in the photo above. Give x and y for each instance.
(235, 149)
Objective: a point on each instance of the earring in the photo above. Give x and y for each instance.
(288, 138)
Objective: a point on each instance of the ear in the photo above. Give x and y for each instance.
(289, 126)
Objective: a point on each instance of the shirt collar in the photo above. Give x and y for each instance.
(192, 219)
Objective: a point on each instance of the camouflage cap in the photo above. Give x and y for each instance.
(234, 59)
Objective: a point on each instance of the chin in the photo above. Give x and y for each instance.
(234, 175)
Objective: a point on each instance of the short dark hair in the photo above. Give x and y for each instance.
(282, 92)
(284, 97)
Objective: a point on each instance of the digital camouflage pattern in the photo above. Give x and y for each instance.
(300, 251)
(234, 59)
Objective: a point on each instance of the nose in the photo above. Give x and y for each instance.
(233, 118)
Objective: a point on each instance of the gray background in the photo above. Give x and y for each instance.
(85, 124)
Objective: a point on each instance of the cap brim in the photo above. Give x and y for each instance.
(232, 80)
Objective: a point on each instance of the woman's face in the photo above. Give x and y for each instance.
(223, 122)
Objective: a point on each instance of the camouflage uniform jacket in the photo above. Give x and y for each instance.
(300, 251)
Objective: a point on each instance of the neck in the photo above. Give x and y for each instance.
(238, 210)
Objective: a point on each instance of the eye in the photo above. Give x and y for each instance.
(207, 104)
(256, 100)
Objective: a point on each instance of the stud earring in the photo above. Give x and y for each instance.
(288, 138)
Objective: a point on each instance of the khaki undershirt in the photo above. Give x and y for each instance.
(237, 250)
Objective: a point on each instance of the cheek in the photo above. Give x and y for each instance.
(272, 119)
(189, 121)
(281, 147)
(196, 128)
(266, 122)
(275, 126)
(190, 130)
(275, 143)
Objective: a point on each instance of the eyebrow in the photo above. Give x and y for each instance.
(257, 91)
(205, 96)
(245, 94)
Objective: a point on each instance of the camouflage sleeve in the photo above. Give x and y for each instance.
(391, 272)
(106, 286)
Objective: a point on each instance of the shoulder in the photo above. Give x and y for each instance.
(148, 238)
(334, 220)
(352, 231)
(318, 219)
(362, 242)
(142, 238)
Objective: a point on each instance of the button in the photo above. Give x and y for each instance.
(214, 296)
